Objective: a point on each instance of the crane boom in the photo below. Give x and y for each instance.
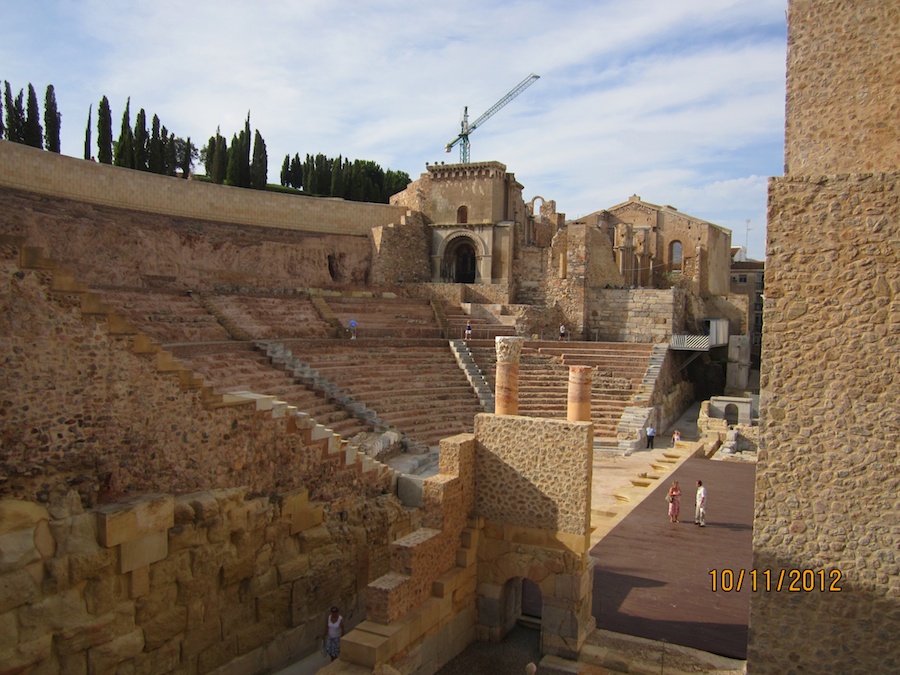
(466, 128)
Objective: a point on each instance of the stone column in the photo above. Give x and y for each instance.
(507, 394)
(579, 401)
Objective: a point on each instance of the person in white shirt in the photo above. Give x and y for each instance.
(700, 505)
(334, 630)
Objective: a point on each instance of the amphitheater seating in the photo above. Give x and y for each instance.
(165, 317)
(237, 366)
(619, 369)
(482, 328)
(379, 317)
(415, 385)
(260, 317)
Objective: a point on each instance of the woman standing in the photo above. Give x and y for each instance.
(674, 499)
(334, 630)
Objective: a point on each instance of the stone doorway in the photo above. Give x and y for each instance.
(460, 261)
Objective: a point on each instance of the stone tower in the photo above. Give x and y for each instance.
(827, 522)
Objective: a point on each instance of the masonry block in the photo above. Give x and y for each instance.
(141, 552)
(127, 521)
(16, 514)
(308, 518)
(364, 648)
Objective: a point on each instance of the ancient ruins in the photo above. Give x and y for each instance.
(196, 461)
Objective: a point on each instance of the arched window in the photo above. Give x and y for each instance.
(462, 215)
(675, 255)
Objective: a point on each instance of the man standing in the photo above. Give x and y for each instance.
(700, 505)
(651, 434)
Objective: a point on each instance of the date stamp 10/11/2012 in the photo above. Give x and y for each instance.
(792, 581)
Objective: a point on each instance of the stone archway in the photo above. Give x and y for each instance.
(460, 261)
(732, 414)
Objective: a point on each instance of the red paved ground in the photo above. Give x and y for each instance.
(653, 578)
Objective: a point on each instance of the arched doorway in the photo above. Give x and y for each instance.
(732, 414)
(461, 261)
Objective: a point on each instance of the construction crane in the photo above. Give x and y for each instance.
(466, 128)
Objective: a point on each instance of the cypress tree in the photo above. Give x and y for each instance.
(33, 133)
(125, 144)
(186, 153)
(169, 152)
(285, 175)
(87, 134)
(2, 126)
(297, 171)
(337, 178)
(259, 169)
(155, 159)
(233, 172)
(141, 141)
(104, 132)
(52, 120)
(15, 116)
(220, 168)
(208, 155)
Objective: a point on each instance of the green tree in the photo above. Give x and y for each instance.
(15, 116)
(52, 120)
(33, 134)
(141, 142)
(220, 166)
(297, 172)
(185, 154)
(2, 126)
(285, 175)
(125, 145)
(233, 172)
(104, 132)
(259, 169)
(155, 156)
(87, 134)
(337, 178)
(171, 153)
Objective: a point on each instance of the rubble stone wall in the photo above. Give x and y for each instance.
(828, 471)
(82, 410)
(842, 87)
(147, 250)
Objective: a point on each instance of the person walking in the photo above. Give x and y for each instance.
(651, 434)
(334, 631)
(700, 505)
(562, 331)
(468, 331)
(673, 497)
(353, 327)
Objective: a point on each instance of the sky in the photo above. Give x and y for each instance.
(680, 102)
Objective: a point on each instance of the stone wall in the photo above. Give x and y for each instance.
(88, 404)
(828, 471)
(842, 87)
(636, 315)
(151, 250)
(188, 583)
(401, 252)
(542, 480)
(48, 173)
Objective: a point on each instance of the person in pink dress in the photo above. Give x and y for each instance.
(674, 499)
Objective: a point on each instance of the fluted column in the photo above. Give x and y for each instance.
(579, 401)
(507, 394)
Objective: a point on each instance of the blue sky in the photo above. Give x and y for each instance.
(678, 101)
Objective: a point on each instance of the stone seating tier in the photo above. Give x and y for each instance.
(386, 317)
(414, 385)
(165, 317)
(261, 317)
(236, 366)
